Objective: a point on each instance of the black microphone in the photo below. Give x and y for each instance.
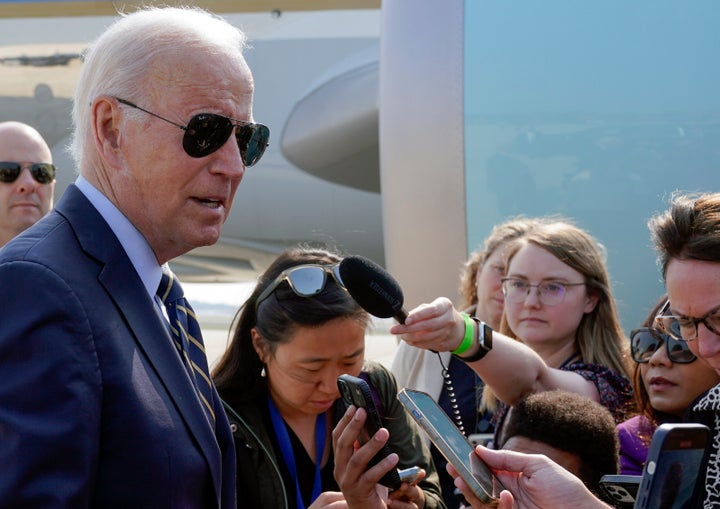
(372, 287)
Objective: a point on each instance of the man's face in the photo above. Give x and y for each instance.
(24, 201)
(179, 202)
(692, 288)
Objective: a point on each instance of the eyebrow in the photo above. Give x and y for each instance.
(311, 360)
(559, 279)
(709, 313)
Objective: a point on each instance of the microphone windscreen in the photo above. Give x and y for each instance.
(372, 287)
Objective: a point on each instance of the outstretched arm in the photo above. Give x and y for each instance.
(512, 369)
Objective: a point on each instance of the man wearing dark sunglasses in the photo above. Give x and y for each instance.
(25, 196)
(105, 399)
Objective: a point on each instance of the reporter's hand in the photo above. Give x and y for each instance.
(329, 500)
(435, 326)
(531, 481)
(408, 496)
(358, 483)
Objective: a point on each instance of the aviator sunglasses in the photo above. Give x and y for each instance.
(43, 173)
(305, 280)
(205, 133)
(645, 342)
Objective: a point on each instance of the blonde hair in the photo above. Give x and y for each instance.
(600, 338)
(500, 234)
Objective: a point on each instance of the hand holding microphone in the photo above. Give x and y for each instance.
(436, 326)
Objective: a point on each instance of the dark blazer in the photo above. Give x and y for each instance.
(96, 408)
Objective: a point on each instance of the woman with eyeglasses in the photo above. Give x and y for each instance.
(667, 378)
(455, 386)
(298, 331)
(560, 328)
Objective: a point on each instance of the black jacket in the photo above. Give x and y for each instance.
(259, 481)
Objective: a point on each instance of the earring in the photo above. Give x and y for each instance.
(262, 372)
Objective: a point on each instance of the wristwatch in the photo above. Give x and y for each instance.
(483, 338)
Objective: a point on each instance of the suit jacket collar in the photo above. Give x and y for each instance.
(125, 288)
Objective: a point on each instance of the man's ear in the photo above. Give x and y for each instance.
(106, 117)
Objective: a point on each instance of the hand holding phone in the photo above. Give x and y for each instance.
(356, 391)
(452, 444)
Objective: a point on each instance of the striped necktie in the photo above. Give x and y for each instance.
(185, 331)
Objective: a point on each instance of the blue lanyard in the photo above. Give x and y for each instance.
(286, 447)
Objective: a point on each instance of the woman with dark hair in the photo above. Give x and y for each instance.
(667, 378)
(298, 331)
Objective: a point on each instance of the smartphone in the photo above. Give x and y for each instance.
(620, 490)
(356, 391)
(452, 444)
(676, 459)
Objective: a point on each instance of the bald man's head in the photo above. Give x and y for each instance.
(27, 183)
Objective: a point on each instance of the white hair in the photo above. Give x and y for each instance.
(118, 61)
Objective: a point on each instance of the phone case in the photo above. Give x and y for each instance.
(451, 443)
(620, 490)
(676, 460)
(356, 391)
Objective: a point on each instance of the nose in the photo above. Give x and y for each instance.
(328, 382)
(26, 181)
(659, 357)
(228, 161)
(532, 299)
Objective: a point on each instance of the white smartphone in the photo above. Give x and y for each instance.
(452, 444)
(676, 460)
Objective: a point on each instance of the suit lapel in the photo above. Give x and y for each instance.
(125, 288)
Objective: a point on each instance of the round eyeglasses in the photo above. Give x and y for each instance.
(551, 293)
(644, 342)
(684, 328)
(305, 280)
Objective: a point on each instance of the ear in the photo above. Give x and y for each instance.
(259, 345)
(106, 117)
(591, 300)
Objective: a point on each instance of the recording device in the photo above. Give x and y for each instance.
(620, 490)
(452, 444)
(356, 391)
(676, 459)
(410, 475)
(373, 288)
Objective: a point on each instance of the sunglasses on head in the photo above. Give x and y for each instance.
(305, 280)
(43, 173)
(205, 133)
(645, 342)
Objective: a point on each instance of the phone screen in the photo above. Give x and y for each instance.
(451, 443)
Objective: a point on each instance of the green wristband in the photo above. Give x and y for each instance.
(468, 338)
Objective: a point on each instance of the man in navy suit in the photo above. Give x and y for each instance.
(97, 408)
